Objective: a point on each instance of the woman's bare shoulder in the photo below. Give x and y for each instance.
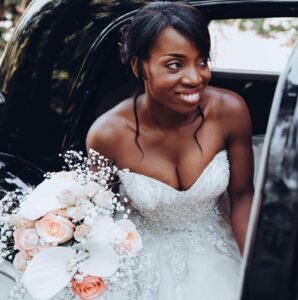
(223, 99)
(223, 102)
(229, 110)
(107, 132)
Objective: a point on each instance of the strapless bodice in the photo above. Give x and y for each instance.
(186, 234)
(166, 208)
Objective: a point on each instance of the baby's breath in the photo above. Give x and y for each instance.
(8, 205)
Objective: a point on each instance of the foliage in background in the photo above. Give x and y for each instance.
(269, 28)
(10, 12)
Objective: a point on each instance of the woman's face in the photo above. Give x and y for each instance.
(175, 73)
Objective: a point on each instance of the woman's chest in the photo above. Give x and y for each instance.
(149, 194)
(177, 164)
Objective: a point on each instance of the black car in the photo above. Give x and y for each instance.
(61, 70)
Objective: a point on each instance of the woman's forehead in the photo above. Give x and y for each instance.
(170, 41)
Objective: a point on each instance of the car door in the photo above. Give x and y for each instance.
(270, 265)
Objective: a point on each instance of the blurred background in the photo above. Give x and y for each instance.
(10, 12)
(270, 40)
(256, 45)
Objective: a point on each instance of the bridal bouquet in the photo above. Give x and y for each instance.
(62, 237)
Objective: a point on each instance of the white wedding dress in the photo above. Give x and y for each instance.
(187, 234)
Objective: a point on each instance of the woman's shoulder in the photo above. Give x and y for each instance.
(230, 110)
(224, 103)
(108, 130)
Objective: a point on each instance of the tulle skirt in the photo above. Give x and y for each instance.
(189, 265)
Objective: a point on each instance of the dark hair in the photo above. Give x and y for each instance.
(139, 36)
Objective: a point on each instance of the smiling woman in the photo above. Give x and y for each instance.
(187, 144)
(166, 67)
(174, 58)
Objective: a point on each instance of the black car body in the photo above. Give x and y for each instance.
(61, 70)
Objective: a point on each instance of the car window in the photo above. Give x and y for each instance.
(262, 44)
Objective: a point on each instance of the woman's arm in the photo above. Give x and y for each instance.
(239, 144)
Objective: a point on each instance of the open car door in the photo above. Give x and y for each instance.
(270, 256)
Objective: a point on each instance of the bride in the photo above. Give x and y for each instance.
(189, 151)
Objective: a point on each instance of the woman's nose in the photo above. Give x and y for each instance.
(191, 76)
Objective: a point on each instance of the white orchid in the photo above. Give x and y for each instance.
(47, 197)
(52, 269)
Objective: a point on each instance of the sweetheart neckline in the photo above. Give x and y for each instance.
(172, 188)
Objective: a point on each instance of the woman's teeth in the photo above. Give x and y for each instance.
(190, 97)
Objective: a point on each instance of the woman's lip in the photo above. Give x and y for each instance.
(189, 91)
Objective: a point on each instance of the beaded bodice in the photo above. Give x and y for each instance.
(163, 207)
(179, 226)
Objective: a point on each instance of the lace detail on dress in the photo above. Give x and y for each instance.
(170, 210)
(178, 224)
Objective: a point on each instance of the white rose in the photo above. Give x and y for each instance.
(20, 262)
(104, 198)
(68, 197)
(85, 204)
(64, 174)
(81, 232)
(25, 239)
(18, 220)
(76, 213)
(107, 231)
(91, 188)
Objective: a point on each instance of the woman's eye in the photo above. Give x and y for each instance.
(203, 63)
(174, 65)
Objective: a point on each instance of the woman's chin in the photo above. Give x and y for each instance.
(187, 109)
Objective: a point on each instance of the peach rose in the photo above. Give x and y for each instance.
(20, 262)
(90, 287)
(25, 239)
(54, 229)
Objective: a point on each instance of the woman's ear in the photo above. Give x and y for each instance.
(134, 66)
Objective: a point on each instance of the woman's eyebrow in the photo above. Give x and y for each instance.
(179, 55)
